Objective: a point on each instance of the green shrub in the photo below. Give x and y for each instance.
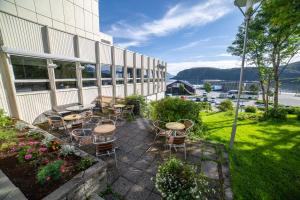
(139, 102)
(298, 114)
(84, 164)
(250, 109)
(291, 109)
(51, 172)
(174, 109)
(4, 120)
(176, 180)
(205, 106)
(275, 114)
(226, 105)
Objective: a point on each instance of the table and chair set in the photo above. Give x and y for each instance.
(86, 128)
(174, 133)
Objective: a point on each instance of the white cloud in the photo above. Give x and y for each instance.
(175, 67)
(224, 55)
(177, 17)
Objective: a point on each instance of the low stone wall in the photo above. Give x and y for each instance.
(83, 185)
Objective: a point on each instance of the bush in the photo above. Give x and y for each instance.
(176, 180)
(250, 109)
(291, 109)
(226, 105)
(275, 114)
(84, 164)
(52, 171)
(205, 106)
(174, 109)
(298, 114)
(4, 120)
(139, 102)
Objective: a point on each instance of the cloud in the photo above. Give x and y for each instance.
(176, 18)
(224, 55)
(175, 67)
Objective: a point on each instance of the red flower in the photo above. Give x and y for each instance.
(62, 169)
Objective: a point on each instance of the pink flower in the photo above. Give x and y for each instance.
(46, 161)
(13, 149)
(42, 149)
(30, 150)
(62, 169)
(28, 157)
(48, 178)
(21, 144)
(33, 143)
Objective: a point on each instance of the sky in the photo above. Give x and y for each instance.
(184, 33)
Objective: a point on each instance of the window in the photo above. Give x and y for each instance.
(106, 74)
(146, 75)
(89, 75)
(65, 75)
(151, 75)
(31, 74)
(119, 75)
(138, 75)
(130, 74)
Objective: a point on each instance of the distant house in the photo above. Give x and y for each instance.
(180, 88)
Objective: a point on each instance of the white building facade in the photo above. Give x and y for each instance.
(43, 65)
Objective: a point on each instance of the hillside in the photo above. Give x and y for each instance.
(290, 76)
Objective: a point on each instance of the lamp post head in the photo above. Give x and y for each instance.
(248, 4)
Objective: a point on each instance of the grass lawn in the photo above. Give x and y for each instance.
(265, 162)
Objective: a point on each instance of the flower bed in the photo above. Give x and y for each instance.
(35, 163)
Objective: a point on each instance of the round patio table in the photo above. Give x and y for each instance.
(175, 126)
(104, 129)
(72, 117)
(80, 108)
(119, 106)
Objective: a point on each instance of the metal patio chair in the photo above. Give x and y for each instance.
(159, 128)
(176, 142)
(188, 126)
(105, 145)
(56, 122)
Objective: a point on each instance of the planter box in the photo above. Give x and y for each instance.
(81, 186)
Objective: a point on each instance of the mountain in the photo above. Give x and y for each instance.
(169, 76)
(290, 75)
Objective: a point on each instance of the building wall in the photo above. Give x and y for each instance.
(80, 17)
(23, 38)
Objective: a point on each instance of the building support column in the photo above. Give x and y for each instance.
(142, 75)
(9, 86)
(113, 71)
(149, 72)
(134, 73)
(154, 77)
(79, 82)
(98, 69)
(125, 73)
(51, 75)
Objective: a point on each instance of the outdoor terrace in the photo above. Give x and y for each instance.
(138, 159)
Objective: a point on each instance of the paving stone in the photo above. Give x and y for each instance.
(132, 174)
(195, 151)
(152, 169)
(210, 155)
(210, 169)
(128, 158)
(141, 164)
(146, 181)
(122, 186)
(8, 190)
(138, 193)
(154, 196)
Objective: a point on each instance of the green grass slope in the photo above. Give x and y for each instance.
(265, 162)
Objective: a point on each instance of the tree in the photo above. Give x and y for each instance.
(207, 87)
(181, 89)
(254, 88)
(274, 38)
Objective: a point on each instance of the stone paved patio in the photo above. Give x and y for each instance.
(138, 158)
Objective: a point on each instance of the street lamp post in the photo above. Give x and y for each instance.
(247, 15)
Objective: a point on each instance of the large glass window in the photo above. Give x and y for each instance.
(129, 74)
(65, 70)
(31, 74)
(119, 75)
(65, 75)
(106, 74)
(138, 75)
(146, 75)
(89, 75)
(151, 75)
